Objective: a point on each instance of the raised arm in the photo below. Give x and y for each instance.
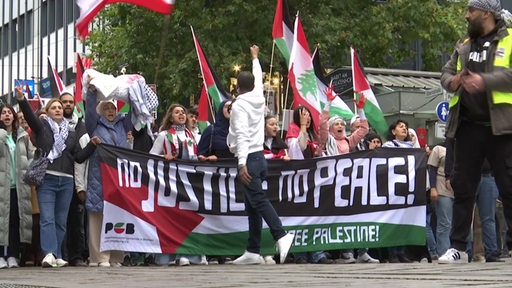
(33, 121)
(91, 116)
(256, 69)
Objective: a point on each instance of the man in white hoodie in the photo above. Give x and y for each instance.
(245, 140)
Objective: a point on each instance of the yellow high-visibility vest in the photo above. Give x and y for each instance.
(501, 59)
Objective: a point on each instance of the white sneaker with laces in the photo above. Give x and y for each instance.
(283, 246)
(183, 261)
(12, 262)
(49, 261)
(248, 258)
(61, 263)
(453, 256)
(3, 264)
(366, 258)
(269, 260)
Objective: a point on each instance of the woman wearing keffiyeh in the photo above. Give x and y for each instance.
(62, 148)
(175, 141)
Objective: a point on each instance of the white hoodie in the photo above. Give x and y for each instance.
(247, 120)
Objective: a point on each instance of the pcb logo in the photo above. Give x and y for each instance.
(120, 228)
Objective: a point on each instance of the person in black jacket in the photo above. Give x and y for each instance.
(61, 146)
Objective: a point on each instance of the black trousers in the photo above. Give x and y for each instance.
(13, 250)
(473, 143)
(75, 233)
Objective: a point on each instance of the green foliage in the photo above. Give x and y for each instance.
(383, 33)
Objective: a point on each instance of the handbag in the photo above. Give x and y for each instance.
(36, 171)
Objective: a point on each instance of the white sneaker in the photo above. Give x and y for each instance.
(248, 258)
(3, 264)
(269, 260)
(93, 264)
(346, 258)
(116, 264)
(61, 263)
(49, 261)
(365, 258)
(453, 256)
(183, 261)
(283, 246)
(12, 262)
(104, 264)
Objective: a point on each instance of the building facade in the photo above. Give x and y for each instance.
(31, 32)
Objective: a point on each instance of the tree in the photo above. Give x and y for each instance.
(383, 33)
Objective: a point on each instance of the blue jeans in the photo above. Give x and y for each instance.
(54, 197)
(257, 204)
(444, 212)
(486, 196)
(431, 240)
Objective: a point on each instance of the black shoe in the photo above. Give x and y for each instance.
(394, 259)
(78, 263)
(404, 259)
(301, 261)
(493, 259)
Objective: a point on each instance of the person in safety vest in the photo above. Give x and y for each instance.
(479, 74)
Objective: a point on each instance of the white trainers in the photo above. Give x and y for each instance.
(248, 258)
(61, 263)
(116, 264)
(183, 261)
(346, 258)
(453, 256)
(3, 264)
(283, 246)
(49, 261)
(12, 262)
(269, 260)
(365, 258)
(104, 264)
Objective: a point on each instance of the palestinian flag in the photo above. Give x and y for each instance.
(90, 8)
(338, 107)
(212, 86)
(55, 81)
(302, 75)
(363, 90)
(81, 65)
(282, 30)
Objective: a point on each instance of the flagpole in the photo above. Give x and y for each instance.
(165, 32)
(270, 72)
(283, 105)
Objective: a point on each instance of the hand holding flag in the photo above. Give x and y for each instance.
(360, 100)
(329, 91)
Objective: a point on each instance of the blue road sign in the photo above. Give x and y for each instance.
(442, 110)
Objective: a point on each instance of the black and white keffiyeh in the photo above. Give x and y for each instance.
(60, 134)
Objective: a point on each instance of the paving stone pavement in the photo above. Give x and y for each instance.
(488, 275)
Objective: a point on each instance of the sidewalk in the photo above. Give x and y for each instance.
(488, 275)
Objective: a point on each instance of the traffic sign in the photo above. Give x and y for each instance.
(442, 110)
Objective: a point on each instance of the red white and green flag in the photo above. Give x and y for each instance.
(212, 93)
(56, 83)
(363, 92)
(302, 74)
(90, 8)
(338, 106)
(81, 65)
(282, 30)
